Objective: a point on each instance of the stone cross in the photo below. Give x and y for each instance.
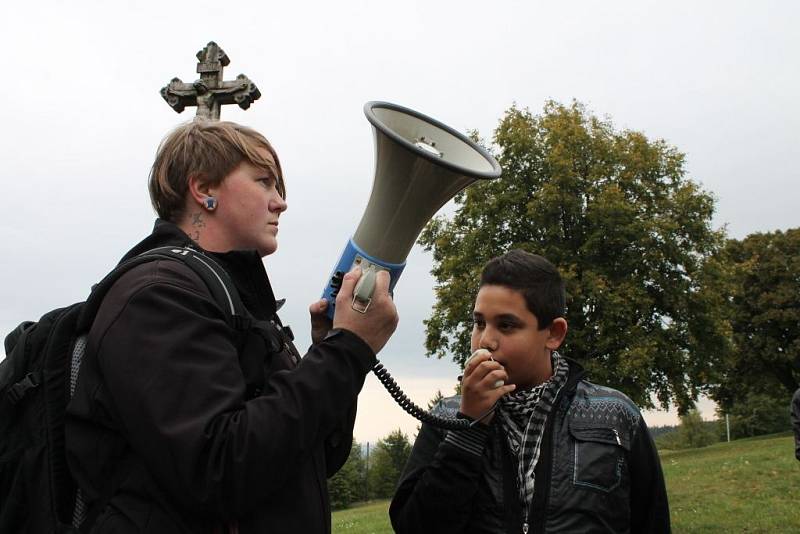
(210, 92)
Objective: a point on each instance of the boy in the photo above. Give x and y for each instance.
(557, 454)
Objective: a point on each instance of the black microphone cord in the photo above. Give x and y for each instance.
(447, 423)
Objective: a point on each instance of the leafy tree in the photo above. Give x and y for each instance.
(695, 432)
(387, 463)
(757, 414)
(629, 232)
(765, 317)
(347, 485)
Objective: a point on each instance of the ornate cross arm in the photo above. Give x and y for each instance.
(179, 95)
(241, 91)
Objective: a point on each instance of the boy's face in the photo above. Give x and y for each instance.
(504, 326)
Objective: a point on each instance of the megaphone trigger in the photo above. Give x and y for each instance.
(365, 287)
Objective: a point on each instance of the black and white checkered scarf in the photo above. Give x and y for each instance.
(522, 415)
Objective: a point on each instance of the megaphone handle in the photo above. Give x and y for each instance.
(362, 294)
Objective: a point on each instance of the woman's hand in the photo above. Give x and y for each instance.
(320, 323)
(377, 324)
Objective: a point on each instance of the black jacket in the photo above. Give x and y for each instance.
(598, 471)
(191, 426)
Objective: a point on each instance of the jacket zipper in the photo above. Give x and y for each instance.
(548, 468)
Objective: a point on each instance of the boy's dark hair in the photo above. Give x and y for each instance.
(534, 277)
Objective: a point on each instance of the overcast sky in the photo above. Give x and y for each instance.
(83, 113)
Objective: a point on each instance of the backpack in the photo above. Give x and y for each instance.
(37, 380)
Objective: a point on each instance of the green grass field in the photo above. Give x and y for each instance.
(750, 485)
(367, 518)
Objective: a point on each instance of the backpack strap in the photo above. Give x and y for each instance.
(216, 279)
(15, 335)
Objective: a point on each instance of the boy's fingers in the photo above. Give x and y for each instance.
(475, 360)
(478, 354)
(494, 379)
(484, 368)
(496, 393)
(504, 390)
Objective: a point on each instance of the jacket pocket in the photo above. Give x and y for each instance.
(599, 456)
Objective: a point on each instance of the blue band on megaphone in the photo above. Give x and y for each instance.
(346, 260)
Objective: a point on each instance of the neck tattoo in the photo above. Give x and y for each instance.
(197, 224)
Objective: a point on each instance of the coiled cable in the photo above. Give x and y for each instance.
(447, 423)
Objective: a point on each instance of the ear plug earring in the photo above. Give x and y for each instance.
(210, 203)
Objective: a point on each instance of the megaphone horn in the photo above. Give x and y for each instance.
(420, 164)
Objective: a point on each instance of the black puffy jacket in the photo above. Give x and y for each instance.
(598, 471)
(181, 424)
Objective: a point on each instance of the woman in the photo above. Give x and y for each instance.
(181, 423)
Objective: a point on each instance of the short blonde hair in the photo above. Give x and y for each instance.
(210, 151)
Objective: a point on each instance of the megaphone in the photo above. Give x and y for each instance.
(420, 164)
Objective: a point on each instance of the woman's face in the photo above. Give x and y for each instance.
(249, 206)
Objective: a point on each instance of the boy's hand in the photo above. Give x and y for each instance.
(478, 386)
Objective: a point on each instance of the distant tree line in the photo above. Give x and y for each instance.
(765, 416)
(371, 472)
(656, 431)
